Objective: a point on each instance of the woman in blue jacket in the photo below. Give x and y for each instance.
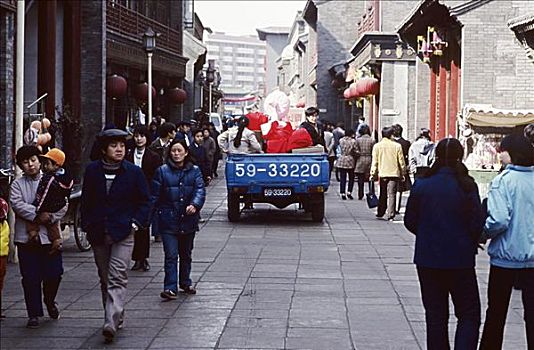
(509, 226)
(178, 194)
(445, 214)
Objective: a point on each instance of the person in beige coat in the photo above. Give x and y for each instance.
(364, 149)
(346, 162)
(239, 139)
(388, 164)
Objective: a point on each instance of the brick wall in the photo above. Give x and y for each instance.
(7, 87)
(422, 96)
(336, 33)
(495, 67)
(394, 12)
(93, 73)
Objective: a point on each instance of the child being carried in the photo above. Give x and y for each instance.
(52, 195)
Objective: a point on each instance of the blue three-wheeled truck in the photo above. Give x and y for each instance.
(278, 179)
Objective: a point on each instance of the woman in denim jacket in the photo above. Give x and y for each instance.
(178, 194)
(509, 226)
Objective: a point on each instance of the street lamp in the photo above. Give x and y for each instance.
(149, 44)
(210, 78)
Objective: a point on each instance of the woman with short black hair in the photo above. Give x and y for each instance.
(177, 195)
(38, 267)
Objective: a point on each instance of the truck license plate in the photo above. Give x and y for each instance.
(277, 192)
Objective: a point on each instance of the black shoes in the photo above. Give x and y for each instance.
(146, 265)
(138, 265)
(188, 290)
(108, 335)
(33, 323)
(168, 295)
(157, 239)
(343, 196)
(53, 311)
(349, 196)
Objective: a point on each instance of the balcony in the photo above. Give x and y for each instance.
(10, 5)
(131, 24)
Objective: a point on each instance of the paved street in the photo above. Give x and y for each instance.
(273, 281)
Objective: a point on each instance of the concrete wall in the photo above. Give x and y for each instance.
(275, 44)
(336, 33)
(495, 69)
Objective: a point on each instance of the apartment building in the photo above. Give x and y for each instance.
(240, 60)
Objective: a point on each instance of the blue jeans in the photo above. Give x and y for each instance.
(461, 284)
(39, 271)
(174, 246)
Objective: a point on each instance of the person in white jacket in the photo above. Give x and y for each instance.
(239, 139)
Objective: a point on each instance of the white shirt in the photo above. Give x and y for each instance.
(138, 157)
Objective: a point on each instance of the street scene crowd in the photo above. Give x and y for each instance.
(137, 185)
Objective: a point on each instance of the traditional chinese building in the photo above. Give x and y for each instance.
(467, 55)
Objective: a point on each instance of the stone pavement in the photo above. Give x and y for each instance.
(275, 280)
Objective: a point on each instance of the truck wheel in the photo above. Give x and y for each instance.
(317, 210)
(233, 207)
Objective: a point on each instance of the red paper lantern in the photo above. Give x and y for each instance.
(300, 104)
(176, 95)
(116, 86)
(353, 90)
(368, 86)
(347, 94)
(141, 92)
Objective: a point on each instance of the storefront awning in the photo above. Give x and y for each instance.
(488, 116)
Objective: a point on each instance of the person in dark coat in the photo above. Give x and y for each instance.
(198, 154)
(148, 161)
(166, 132)
(405, 185)
(445, 214)
(114, 204)
(184, 133)
(311, 126)
(178, 194)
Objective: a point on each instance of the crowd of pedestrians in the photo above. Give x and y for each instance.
(136, 185)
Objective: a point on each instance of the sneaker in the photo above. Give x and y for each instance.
(343, 196)
(168, 295)
(349, 195)
(188, 290)
(138, 265)
(53, 311)
(108, 335)
(33, 323)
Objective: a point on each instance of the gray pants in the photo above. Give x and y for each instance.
(112, 259)
(387, 198)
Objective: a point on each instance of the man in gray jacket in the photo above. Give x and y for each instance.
(421, 154)
(40, 268)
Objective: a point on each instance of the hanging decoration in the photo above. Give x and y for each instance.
(431, 45)
(176, 95)
(141, 92)
(116, 86)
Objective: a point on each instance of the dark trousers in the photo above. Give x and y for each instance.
(174, 246)
(141, 247)
(215, 164)
(500, 285)
(331, 161)
(343, 180)
(362, 178)
(40, 271)
(388, 196)
(420, 172)
(461, 284)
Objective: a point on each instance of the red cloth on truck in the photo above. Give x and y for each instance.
(255, 119)
(277, 137)
(300, 138)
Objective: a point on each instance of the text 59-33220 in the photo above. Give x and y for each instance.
(279, 170)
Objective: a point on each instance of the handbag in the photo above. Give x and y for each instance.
(372, 199)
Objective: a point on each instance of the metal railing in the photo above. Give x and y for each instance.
(133, 24)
